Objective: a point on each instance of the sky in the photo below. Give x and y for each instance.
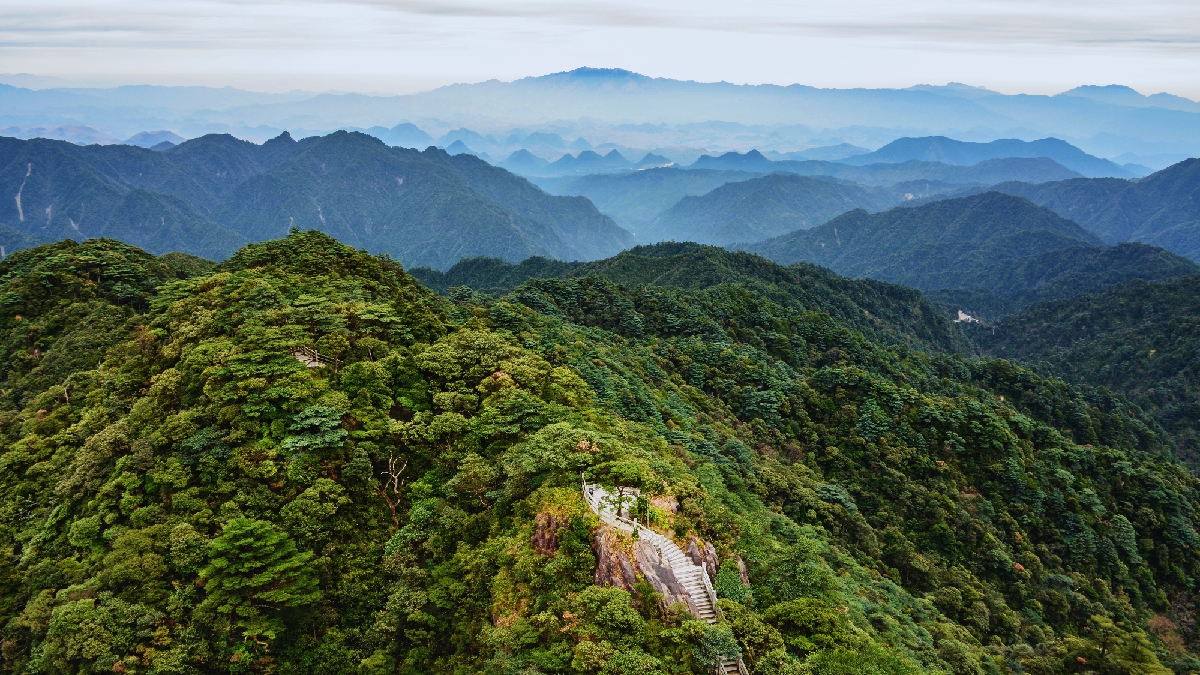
(402, 46)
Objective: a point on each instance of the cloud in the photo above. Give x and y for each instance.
(1166, 24)
(854, 41)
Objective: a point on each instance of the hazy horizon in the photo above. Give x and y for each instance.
(409, 46)
(44, 82)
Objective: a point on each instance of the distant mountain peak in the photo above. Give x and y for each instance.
(1105, 88)
(459, 148)
(149, 139)
(604, 73)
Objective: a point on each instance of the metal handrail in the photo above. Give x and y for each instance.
(712, 592)
(655, 539)
(316, 355)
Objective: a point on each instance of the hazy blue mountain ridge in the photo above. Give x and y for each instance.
(760, 208)
(1104, 121)
(1035, 170)
(635, 199)
(949, 151)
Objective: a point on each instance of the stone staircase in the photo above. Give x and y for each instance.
(702, 599)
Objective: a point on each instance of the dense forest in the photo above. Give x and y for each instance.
(1139, 339)
(990, 253)
(184, 493)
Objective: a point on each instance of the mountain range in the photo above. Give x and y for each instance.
(760, 208)
(1025, 169)
(1162, 209)
(962, 153)
(992, 244)
(211, 195)
(638, 111)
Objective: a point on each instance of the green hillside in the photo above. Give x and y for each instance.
(161, 223)
(635, 199)
(993, 252)
(1062, 274)
(181, 494)
(1140, 339)
(760, 208)
(491, 275)
(12, 241)
(886, 312)
(585, 233)
(211, 195)
(1161, 209)
(944, 244)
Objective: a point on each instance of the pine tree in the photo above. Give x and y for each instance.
(254, 572)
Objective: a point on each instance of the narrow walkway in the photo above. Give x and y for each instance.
(694, 578)
(311, 358)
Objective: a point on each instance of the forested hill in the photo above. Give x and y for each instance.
(996, 252)
(211, 195)
(1061, 274)
(1140, 339)
(182, 494)
(885, 311)
(1162, 209)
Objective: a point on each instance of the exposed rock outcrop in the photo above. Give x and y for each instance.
(613, 566)
(658, 574)
(545, 536)
(701, 553)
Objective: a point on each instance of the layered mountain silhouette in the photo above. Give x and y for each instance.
(988, 172)
(211, 195)
(587, 162)
(405, 135)
(962, 153)
(759, 208)
(636, 199)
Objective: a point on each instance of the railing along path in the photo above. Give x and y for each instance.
(694, 578)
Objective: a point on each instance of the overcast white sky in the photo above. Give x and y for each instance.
(401, 46)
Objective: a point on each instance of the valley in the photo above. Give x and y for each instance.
(595, 373)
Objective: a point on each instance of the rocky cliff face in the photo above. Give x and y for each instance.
(545, 535)
(613, 564)
(616, 566)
